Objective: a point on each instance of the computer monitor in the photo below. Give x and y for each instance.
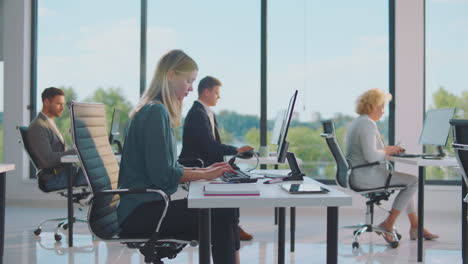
(275, 134)
(114, 133)
(436, 128)
(282, 143)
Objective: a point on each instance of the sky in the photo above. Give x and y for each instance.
(331, 51)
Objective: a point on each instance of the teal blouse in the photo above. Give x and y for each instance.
(149, 158)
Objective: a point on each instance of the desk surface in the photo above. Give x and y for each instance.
(444, 162)
(270, 160)
(6, 167)
(271, 195)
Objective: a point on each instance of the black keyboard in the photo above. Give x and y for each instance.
(238, 177)
(407, 155)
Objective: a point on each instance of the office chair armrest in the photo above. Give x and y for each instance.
(459, 146)
(132, 191)
(390, 165)
(164, 195)
(192, 163)
(327, 135)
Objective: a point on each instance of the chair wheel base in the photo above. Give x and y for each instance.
(57, 237)
(355, 245)
(37, 231)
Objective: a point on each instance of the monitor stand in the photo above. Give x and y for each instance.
(440, 151)
(296, 173)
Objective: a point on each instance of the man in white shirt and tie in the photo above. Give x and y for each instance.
(201, 138)
(48, 146)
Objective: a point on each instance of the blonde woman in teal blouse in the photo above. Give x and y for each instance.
(149, 160)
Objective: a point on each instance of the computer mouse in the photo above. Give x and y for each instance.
(246, 154)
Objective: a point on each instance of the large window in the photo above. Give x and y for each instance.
(446, 65)
(225, 45)
(331, 51)
(90, 49)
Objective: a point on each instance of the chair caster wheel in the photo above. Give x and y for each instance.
(398, 235)
(37, 231)
(355, 245)
(394, 244)
(65, 226)
(57, 237)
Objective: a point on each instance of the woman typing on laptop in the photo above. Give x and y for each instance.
(364, 145)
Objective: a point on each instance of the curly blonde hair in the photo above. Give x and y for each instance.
(370, 99)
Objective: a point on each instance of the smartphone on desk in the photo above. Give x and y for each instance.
(298, 188)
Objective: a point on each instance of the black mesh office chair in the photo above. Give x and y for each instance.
(460, 146)
(101, 171)
(373, 196)
(79, 193)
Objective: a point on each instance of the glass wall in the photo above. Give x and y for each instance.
(223, 37)
(446, 66)
(331, 52)
(91, 49)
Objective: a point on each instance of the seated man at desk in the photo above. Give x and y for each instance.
(201, 137)
(47, 143)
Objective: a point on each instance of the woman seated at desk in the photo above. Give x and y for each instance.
(149, 161)
(364, 145)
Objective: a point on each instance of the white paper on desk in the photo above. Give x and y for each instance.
(231, 189)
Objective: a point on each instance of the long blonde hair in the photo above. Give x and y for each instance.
(160, 90)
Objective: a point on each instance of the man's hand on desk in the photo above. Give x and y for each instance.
(392, 150)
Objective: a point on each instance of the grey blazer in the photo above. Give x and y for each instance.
(364, 145)
(45, 143)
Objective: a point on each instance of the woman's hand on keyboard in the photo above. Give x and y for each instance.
(217, 170)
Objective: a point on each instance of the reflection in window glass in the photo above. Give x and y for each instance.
(91, 50)
(331, 52)
(224, 46)
(446, 66)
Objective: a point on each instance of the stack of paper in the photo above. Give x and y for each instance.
(226, 189)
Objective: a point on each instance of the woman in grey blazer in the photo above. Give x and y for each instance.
(364, 144)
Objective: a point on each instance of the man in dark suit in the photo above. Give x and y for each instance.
(201, 137)
(47, 143)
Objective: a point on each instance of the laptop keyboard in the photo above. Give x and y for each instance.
(238, 177)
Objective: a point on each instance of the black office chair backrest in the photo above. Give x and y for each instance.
(342, 165)
(90, 139)
(23, 131)
(460, 144)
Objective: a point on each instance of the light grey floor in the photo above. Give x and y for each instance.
(21, 246)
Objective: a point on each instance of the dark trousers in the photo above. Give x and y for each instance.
(182, 222)
(60, 181)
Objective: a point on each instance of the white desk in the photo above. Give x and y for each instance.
(270, 160)
(270, 196)
(4, 168)
(421, 164)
